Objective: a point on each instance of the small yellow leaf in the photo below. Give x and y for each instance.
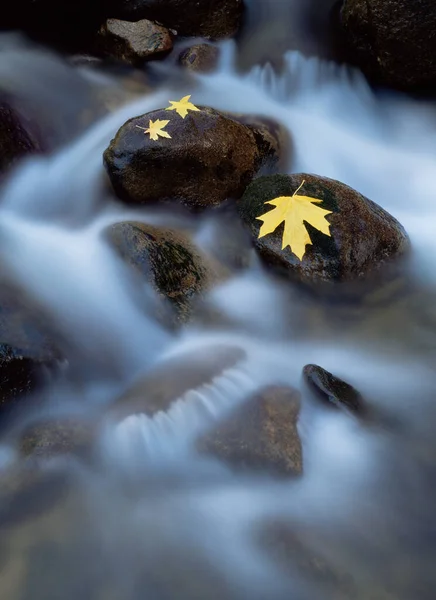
(155, 129)
(293, 211)
(182, 106)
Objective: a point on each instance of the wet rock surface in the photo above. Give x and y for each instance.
(167, 258)
(364, 238)
(133, 43)
(333, 390)
(392, 41)
(208, 158)
(215, 19)
(261, 435)
(201, 58)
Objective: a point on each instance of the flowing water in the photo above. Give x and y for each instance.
(156, 520)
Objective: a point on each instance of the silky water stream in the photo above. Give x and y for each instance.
(155, 520)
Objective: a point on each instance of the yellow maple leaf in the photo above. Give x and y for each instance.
(182, 106)
(293, 211)
(155, 129)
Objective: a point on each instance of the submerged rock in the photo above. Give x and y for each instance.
(175, 376)
(296, 552)
(363, 237)
(333, 390)
(262, 434)
(214, 19)
(392, 40)
(133, 43)
(204, 158)
(201, 58)
(29, 490)
(167, 258)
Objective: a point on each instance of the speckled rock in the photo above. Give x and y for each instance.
(261, 434)
(177, 269)
(56, 437)
(133, 43)
(214, 19)
(392, 40)
(209, 158)
(201, 58)
(364, 237)
(16, 139)
(333, 390)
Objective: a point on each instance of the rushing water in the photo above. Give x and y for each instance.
(156, 520)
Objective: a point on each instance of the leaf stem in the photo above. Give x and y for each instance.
(299, 188)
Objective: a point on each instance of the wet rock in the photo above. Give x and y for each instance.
(262, 434)
(201, 58)
(16, 138)
(175, 376)
(209, 158)
(56, 437)
(272, 139)
(392, 40)
(333, 390)
(27, 354)
(133, 43)
(215, 19)
(365, 240)
(178, 271)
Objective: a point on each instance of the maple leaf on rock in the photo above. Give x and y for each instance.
(155, 129)
(182, 106)
(293, 211)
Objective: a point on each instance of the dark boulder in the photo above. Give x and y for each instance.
(363, 237)
(392, 41)
(200, 160)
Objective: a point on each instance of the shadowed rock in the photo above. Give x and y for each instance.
(392, 41)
